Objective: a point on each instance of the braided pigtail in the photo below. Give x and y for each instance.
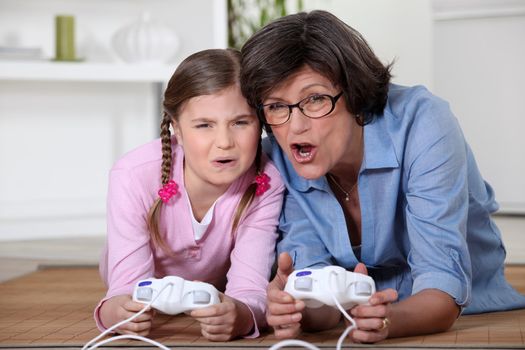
(154, 212)
(249, 194)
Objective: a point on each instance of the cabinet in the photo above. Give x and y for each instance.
(62, 125)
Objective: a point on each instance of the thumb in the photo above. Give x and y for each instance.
(284, 268)
(361, 268)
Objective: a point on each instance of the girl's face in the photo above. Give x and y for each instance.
(220, 134)
(314, 146)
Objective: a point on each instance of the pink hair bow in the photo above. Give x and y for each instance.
(168, 190)
(263, 183)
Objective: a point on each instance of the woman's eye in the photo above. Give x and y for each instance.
(276, 107)
(317, 99)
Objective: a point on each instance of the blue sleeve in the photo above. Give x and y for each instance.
(299, 237)
(437, 202)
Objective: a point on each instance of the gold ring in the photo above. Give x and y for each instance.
(386, 323)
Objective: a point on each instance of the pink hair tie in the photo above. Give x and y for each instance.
(168, 190)
(263, 183)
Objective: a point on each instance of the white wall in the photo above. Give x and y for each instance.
(479, 68)
(395, 29)
(59, 135)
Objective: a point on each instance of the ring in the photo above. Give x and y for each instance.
(386, 323)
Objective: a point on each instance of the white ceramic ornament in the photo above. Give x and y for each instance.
(145, 41)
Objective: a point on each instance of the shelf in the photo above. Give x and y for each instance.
(85, 71)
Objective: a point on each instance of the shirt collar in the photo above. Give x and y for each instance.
(379, 150)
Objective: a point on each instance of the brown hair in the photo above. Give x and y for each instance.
(328, 46)
(203, 73)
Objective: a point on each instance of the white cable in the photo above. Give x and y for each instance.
(129, 336)
(115, 326)
(310, 346)
(293, 342)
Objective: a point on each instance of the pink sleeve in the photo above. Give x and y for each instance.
(254, 252)
(128, 256)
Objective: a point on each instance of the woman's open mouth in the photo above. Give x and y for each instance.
(303, 152)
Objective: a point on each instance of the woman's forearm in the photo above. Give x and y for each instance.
(429, 311)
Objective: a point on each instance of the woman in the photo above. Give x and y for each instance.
(379, 180)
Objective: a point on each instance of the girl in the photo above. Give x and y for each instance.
(203, 205)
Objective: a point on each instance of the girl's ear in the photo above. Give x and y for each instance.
(176, 131)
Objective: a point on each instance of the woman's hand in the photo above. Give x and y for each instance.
(121, 307)
(372, 320)
(284, 313)
(227, 320)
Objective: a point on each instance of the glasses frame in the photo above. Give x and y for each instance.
(333, 99)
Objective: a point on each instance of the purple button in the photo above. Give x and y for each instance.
(144, 283)
(303, 273)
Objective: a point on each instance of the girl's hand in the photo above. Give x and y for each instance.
(121, 307)
(372, 320)
(225, 321)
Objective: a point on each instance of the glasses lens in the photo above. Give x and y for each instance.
(317, 106)
(276, 113)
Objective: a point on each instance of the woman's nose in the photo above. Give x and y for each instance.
(299, 123)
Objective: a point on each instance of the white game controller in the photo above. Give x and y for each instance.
(319, 287)
(176, 294)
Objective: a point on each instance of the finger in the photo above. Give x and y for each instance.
(217, 328)
(361, 268)
(133, 306)
(369, 324)
(288, 331)
(284, 268)
(284, 320)
(136, 327)
(385, 296)
(361, 336)
(141, 318)
(215, 337)
(367, 311)
(285, 308)
(279, 296)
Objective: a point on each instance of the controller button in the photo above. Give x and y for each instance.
(144, 294)
(303, 283)
(201, 297)
(303, 273)
(144, 283)
(363, 289)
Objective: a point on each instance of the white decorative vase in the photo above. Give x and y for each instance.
(145, 41)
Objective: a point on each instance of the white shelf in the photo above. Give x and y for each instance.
(85, 71)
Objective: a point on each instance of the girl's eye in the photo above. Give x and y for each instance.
(242, 122)
(202, 125)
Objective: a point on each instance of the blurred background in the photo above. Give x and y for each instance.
(65, 119)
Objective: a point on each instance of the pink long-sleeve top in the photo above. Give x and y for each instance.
(238, 264)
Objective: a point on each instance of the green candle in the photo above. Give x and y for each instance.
(65, 38)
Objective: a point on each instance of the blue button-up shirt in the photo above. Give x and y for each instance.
(425, 209)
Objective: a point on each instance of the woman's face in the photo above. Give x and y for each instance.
(219, 134)
(314, 146)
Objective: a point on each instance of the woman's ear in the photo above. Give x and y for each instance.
(176, 131)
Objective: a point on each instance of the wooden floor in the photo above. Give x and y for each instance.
(53, 307)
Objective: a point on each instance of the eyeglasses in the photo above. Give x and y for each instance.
(315, 106)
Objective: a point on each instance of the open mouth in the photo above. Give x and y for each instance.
(303, 152)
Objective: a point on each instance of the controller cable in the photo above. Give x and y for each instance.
(295, 342)
(88, 345)
(279, 345)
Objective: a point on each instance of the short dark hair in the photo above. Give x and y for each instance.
(328, 46)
